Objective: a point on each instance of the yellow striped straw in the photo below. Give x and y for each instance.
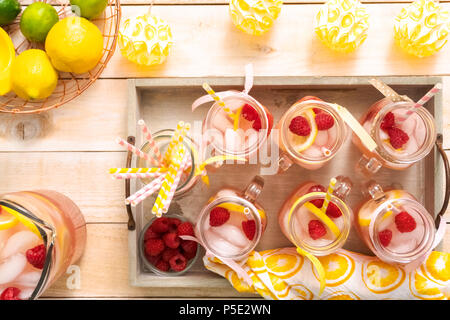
(168, 182)
(136, 170)
(221, 103)
(330, 190)
(178, 137)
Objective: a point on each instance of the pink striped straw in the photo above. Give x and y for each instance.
(136, 175)
(145, 192)
(427, 97)
(176, 181)
(151, 142)
(137, 152)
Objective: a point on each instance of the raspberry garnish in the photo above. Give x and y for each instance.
(154, 247)
(257, 125)
(385, 237)
(249, 228)
(11, 293)
(174, 223)
(317, 202)
(189, 249)
(150, 234)
(324, 121)
(36, 256)
(316, 229)
(185, 229)
(178, 262)
(388, 121)
(161, 225)
(218, 216)
(300, 126)
(171, 240)
(169, 253)
(333, 211)
(249, 113)
(162, 265)
(397, 137)
(404, 222)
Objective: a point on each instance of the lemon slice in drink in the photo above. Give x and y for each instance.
(7, 220)
(17, 217)
(323, 217)
(301, 143)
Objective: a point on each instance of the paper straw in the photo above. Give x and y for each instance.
(325, 151)
(147, 190)
(136, 170)
(179, 131)
(231, 114)
(427, 97)
(176, 181)
(167, 183)
(137, 152)
(330, 190)
(151, 142)
(136, 175)
(387, 91)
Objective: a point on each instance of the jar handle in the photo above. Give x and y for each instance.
(368, 167)
(374, 190)
(131, 223)
(254, 188)
(343, 188)
(439, 141)
(284, 163)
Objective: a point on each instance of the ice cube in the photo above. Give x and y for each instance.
(321, 138)
(234, 140)
(232, 234)
(409, 125)
(411, 146)
(25, 294)
(313, 152)
(20, 242)
(222, 121)
(29, 279)
(222, 246)
(4, 235)
(420, 133)
(12, 267)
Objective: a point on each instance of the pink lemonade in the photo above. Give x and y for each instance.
(395, 226)
(305, 229)
(241, 133)
(404, 134)
(311, 133)
(230, 225)
(43, 233)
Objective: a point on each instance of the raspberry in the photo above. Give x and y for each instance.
(11, 293)
(171, 240)
(152, 259)
(249, 228)
(300, 126)
(257, 124)
(397, 137)
(333, 211)
(173, 224)
(169, 253)
(189, 249)
(317, 202)
(162, 265)
(36, 256)
(161, 225)
(178, 262)
(249, 113)
(154, 247)
(317, 188)
(388, 121)
(385, 237)
(185, 229)
(324, 121)
(316, 229)
(218, 216)
(150, 234)
(404, 222)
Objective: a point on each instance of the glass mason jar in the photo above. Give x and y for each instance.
(240, 234)
(299, 224)
(44, 219)
(320, 146)
(239, 137)
(417, 123)
(162, 139)
(394, 225)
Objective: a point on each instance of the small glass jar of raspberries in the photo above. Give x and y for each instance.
(161, 248)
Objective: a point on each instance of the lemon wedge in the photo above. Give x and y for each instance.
(7, 220)
(236, 207)
(19, 218)
(323, 217)
(236, 117)
(302, 143)
(7, 54)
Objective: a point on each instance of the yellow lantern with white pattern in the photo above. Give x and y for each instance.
(421, 28)
(254, 17)
(145, 40)
(342, 25)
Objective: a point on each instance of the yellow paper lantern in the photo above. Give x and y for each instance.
(342, 25)
(254, 17)
(145, 40)
(421, 28)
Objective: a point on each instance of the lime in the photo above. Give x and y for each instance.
(88, 9)
(9, 10)
(37, 20)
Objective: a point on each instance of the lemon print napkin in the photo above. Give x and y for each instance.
(282, 274)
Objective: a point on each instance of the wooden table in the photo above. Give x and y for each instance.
(76, 143)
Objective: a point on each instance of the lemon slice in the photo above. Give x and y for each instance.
(323, 217)
(236, 117)
(7, 220)
(7, 54)
(302, 143)
(318, 265)
(236, 207)
(24, 220)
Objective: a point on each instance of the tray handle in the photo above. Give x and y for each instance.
(131, 222)
(439, 142)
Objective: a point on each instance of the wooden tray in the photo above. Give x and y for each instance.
(163, 102)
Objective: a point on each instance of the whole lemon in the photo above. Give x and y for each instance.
(75, 45)
(32, 75)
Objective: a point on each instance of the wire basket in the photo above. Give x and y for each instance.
(69, 85)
